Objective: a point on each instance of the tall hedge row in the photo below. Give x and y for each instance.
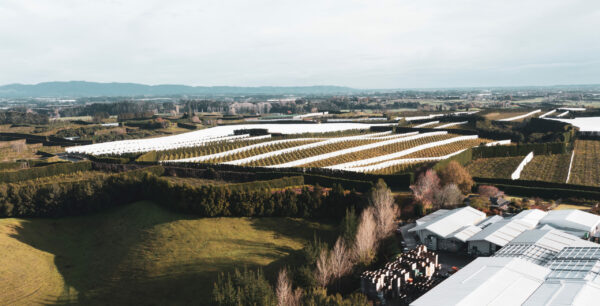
(548, 193)
(463, 158)
(268, 184)
(45, 171)
(536, 184)
(27, 199)
(324, 177)
(542, 189)
(10, 165)
(521, 150)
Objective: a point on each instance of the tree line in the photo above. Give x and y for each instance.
(27, 199)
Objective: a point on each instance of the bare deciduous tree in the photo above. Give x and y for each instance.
(385, 209)
(489, 191)
(340, 259)
(323, 272)
(366, 237)
(448, 196)
(285, 295)
(424, 189)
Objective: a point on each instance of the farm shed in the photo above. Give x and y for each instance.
(440, 231)
(573, 221)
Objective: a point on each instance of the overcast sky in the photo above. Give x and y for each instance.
(362, 44)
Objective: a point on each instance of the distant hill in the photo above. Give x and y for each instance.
(92, 89)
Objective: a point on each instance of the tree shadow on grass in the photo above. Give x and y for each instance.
(89, 250)
(325, 230)
(96, 256)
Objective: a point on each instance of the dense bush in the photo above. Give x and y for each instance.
(12, 117)
(521, 150)
(243, 288)
(37, 172)
(324, 177)
(540, 184)
(11, 165)
(27, 199)
(548, 193)
(109, 159)
(269, 184)
(188, 126)
(546, 190)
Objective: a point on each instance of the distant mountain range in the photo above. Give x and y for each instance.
(93, 89)
(75, 89)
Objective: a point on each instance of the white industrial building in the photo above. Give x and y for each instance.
(448, 229)
(574, 221)
(488, 281)
(574, 280)
(451, 230)
(495, 235)
(543, 266)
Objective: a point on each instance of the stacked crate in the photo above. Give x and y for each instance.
(408, 274)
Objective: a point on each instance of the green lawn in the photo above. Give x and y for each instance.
(139, 254)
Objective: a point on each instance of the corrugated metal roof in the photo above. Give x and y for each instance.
(574, 293)
(488, 281)
(465, 233)
(489, 220)
(572, 219)
(532, 216)
(574, 280)
(502, 232)
(553, 239)
(434, 215)
(446, 224)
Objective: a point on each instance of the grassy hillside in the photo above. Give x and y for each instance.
(139, 254)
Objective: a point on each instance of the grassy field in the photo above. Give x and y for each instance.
(498, 167)
(139, 254)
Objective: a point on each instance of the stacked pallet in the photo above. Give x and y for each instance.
(405, 278)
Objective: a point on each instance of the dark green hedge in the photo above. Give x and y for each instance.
(188, 126)
(540, 184)
(11, 165)
(521, 150)
(462, 158)
(548, 193)
(109, 159)
(26, 199)
(269, 184)
(37, 172)
(324, 177)
(326, 181)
